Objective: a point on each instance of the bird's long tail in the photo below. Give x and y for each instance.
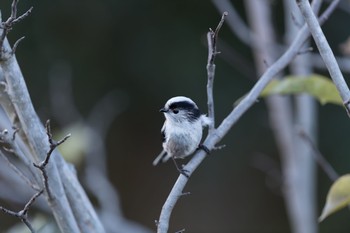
(161, 157)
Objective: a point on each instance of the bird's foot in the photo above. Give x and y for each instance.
(203, 147)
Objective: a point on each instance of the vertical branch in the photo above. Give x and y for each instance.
(303, 214)
(212, 37)
(297, 172)
(176, 192)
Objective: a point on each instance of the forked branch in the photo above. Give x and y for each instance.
(42, 165)
(7, 25)
(23, 214)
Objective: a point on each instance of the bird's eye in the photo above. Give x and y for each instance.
(175, 111)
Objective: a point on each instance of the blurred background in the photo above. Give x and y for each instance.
(144, 52)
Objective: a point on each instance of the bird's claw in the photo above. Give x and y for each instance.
(184, 172)
(203, 147)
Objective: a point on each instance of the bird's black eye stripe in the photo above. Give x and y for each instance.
(193, 111)
(182, 105)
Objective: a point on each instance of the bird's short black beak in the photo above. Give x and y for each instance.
(163, 110)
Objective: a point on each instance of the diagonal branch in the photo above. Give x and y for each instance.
(325, 51)
(8, 146)
(322, 162)
(216, 135)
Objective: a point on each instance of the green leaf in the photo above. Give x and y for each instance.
(320, 87)
(338, 196)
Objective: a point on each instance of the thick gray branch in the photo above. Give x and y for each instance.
(36, 136)
(299, 167)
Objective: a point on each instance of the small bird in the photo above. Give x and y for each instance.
(182, 130)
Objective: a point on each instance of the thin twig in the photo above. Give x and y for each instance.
(31, 201)
(23, 214)
(8, 24)
(212, 37)
(42, 165)
(235, 22)
(14, 47)
(328, 11)
(21, 17)
(52, 143)
(322, 162)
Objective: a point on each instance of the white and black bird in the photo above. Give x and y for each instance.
(182, 130)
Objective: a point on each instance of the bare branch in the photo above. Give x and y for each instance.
(8, 24)
(30, 202)
(325, 51)
(300, 171)
(328, 11)
(234, 21)
(64, 186)
(41, 166)
(8, 145)
(52, 143)
(322, 162)
(212, 37)
(23, 214)
(216, 135)
(19, 173)
(343, 62)
(14, 47)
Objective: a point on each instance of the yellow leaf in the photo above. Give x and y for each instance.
(338, 196)
(320, 87)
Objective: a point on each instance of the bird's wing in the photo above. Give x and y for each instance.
(163, 133)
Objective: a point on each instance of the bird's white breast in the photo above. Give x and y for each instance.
(182, 139)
